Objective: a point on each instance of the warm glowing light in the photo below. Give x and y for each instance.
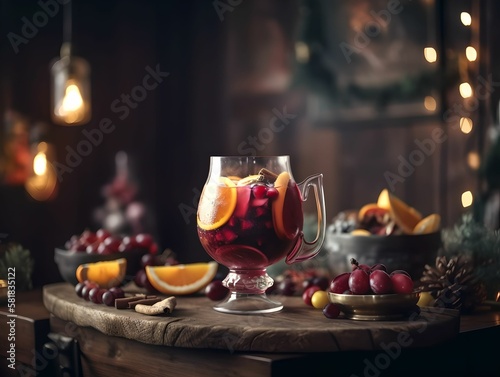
(471, 53)
(466, 18)
(430, 103)
(466, 125)
(430, 54)
(473, 160)
(40, 164)
(465, 90)
(72, 100)
(467, 199)
(302, 52)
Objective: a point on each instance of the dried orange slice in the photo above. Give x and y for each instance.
(217, 204)
(404, 216)
(362, 212)
(429, 224)
(105, 273)
(181, 279)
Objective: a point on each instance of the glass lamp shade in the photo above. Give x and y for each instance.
(71, 91)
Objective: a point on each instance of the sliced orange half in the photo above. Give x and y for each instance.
(181, 279)
(429, 224)
(217, 204)
(404, 216)
(106, 273)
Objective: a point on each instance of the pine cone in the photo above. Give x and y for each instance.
(453, 283)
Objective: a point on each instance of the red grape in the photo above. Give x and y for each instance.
(86, 290)
(108, 298)
(87, 237)
(143, 240)
(355, 266)
(117, 292)
(148, 260)
(216, 291)
(79, 288)
(103, 249)
(331, 311)
(380, 282)
(359, 282)
(287, 287)
(92, 248)
(402, 283)
(400, 272)
(378, 266)
(259, 191)
(307, 294)
(102, 234)
(340, 283)
(322, 282)
(112, 243)
(95, 295)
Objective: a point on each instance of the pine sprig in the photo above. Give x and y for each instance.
(482, 245)
(15, 256)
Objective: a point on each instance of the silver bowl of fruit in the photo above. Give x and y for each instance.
(91, 247)
(387, 231)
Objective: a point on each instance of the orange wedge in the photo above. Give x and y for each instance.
(217, 204)
(106, 273)
(383, 200)
(286, 208)
(404, 216)
(181, 279)
(362, 212)
(429, 224)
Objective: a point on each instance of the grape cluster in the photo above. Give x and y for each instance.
(364, 280)
(90, 291)
(103, 242)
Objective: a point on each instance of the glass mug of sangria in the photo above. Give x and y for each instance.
(249, 217)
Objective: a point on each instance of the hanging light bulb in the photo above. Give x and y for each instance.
(70, 83)
(41, 185)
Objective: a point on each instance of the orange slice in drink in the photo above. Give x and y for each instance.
(360, 232)
(105, 273)
(286, 206)
(429, 224)
(404, 216)
(181, 279)
(217, 204)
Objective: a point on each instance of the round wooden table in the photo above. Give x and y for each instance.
(297, 328)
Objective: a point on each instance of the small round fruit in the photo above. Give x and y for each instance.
(86, 290)
(108, 298)
(331, 311)
(216, 291)
(148, 260)
(102, 234)
(95, 295)
(319, 299)
(287, 287)
(143, 240)
(78, 289)
(378, 266)
(117, 292)
(340, 283)
(321, 281)
(380, 282)
(308, 293)
(359, 282)
(402, 284)
(400, 272)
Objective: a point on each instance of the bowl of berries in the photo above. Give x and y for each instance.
(92, 247)
(388, 231)
(373, 293)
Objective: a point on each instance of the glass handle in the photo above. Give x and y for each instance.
(305, 250)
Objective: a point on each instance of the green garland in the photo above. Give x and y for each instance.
(471, 238)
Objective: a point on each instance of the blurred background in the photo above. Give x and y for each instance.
(373, 94)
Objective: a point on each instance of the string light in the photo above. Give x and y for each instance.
(466, 125)
(467, 199)
(466, 18)
(473, 160)
(430, 103)
(465, 90)
(430, 54)
(471, 53)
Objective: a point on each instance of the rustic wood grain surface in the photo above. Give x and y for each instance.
(297, 328)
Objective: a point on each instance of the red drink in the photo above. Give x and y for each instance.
(250, 238)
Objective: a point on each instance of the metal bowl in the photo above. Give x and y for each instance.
(68, 261)
(398, 252)
(375, 307)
